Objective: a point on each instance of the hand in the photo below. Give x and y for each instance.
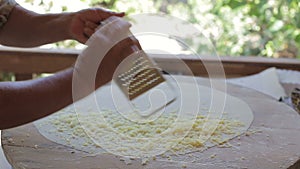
(113, 58)
(107, 48)
(84, 22)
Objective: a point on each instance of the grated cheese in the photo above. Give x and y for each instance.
(199, 135)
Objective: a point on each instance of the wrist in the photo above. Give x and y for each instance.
(68, 21)
(59, 24)
(51, 27)
(65, 21)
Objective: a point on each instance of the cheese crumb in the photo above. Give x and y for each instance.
(145, 161)
(213, 155)
(10, 140)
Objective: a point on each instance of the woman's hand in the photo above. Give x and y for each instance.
(26, 28)
(84, 22)
(107, 48)
(114, 58)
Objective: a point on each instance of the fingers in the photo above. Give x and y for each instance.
(82, 38)
(91, 25)
(88, 32)
(113, 58)
(128, 43)
(121, 50)
(104, 14)
(119, 14)
(89, 28)
(136, 42)
(96, 15)
(127, 47)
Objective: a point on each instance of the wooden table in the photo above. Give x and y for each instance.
(275, 145)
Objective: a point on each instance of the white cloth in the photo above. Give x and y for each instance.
(288, 76)
(266, 82)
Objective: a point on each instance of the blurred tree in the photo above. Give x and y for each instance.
(276, 24)
(268, 28)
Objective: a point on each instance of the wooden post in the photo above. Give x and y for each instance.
(21, 77)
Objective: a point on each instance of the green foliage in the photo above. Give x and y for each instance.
(276, 24)
(268, 28)
(104, 3)
(4, 76)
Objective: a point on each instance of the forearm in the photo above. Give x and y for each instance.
(23, 102)
(28, 29)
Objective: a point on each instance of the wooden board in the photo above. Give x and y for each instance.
(36, 61)
(275, 145)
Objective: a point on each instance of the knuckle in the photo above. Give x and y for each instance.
(134, 39)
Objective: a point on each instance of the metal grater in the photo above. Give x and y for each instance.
(138, 77)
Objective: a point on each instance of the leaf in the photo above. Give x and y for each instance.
(64, 8)
(276, 26)
(234, 4)
(297, 38)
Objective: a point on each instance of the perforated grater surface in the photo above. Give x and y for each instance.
(138, 77)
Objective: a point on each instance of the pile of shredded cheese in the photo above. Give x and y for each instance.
(203, 131)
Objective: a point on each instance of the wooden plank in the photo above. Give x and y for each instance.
(20, 77)
(233, 66)
(50, 61)
(35, 60)
(274, 146)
